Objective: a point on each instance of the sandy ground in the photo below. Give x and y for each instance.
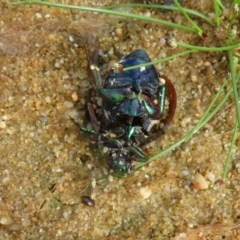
(46, 164)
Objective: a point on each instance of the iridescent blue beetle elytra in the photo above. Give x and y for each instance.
(135, 94)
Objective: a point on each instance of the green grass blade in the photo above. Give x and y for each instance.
(163, 7)
(185, 14)
(234, 85)
(209, 49)
(109, 12)
(218, 7)
(228, 160)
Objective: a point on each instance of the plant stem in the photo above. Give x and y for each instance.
(210, 49)
(217, 8)
(234, 85)
(182, 10)
(227, 162)
(163, 7)
(109, 12)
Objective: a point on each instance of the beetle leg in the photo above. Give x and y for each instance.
(153, 126)
(93, 117)
(153, 109)
(93, 120)
(153, 137)
(162, 96)
(90, 43)
(139, 155)
(81, 128)
(96, 76)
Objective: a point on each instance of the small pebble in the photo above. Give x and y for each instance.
(66, 214)
(99, 101)
(4, 117)
(94, 183)
(38, 15)
(172, 43)
(47, 99)
(162, 41)
(119, 32)
(2, 124)
(68, 104)
(57, 65)
(6, 220)
(47, 15)
(184, 173)
(211, 176)
(70, 38)
(90, 166)
(145, 192)
(110, 178)
(74, 96)
(105, 150)
(193, 78)
(200, 182)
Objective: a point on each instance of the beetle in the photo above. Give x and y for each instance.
(137, 96)
(132, 108)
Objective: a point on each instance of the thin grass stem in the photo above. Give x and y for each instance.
(209, 49)
(218, 6)
(228, 160)
(234, 85)
(162, 7)
(109, 12)
(185, 14)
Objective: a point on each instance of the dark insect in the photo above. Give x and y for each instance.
(86, 200)
(132, 112)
